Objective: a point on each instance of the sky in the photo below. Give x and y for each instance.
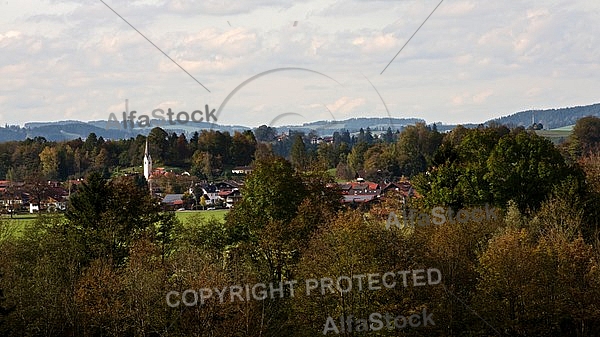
(293, 62)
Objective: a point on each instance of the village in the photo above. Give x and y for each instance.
(52, 195)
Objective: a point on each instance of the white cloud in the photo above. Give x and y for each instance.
(458, 8)
(482, 96)
(533, 92)
(224, 7)
(472, 59)
(11, 34)
(377, 43)
(346, 105)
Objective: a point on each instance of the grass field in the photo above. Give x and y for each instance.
(333, 173)
(187, 217)
(17, 224)
(20, 217)
(557, 136)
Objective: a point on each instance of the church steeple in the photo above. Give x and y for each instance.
(147, 162)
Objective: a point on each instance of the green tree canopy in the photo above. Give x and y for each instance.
(108, 215)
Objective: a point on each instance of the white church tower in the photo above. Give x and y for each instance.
(147, 163)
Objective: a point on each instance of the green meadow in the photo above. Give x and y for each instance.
(189, 217)
(16, 225)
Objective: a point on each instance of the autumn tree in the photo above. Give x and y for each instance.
(243, 146)
(158, 145)
(279, 211)
(298, 155)
(265, 133)
(586, 136)
(205, 165)
(327, 153)
(49, 161)
(38, 189)
(531, 287)
(356, 157)
(263, 151)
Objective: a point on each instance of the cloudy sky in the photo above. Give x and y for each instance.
(471, 61)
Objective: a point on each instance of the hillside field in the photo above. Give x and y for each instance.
(558, 135)
(187, 217)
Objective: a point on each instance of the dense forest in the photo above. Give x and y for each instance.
(116, 265)
(211, 154)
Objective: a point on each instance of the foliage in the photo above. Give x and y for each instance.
(108, 216)
(105, 268)
(586, 136)
(298, 155)
(494, 166)
(524, 168)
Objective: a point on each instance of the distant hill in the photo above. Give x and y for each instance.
(71, 129)
(353, 125)
(177, 128)
(66, 130)
(551, 118)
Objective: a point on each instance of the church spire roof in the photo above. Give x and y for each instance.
(147, 162)
(146, 153)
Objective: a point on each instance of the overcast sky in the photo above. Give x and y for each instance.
(471, 61)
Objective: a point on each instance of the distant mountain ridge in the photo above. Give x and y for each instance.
(352, 125)
(72, 129)
(550, 118)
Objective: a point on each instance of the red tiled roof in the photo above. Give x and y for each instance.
(362, 187)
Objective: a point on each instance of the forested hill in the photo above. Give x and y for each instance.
(551, 118)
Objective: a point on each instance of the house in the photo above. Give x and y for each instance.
(360, 192)
(231, 197)
(359, 187)
(33, 208)
(404, 188)
(227, 185)
(172, 201)
(209, 192)
(4, 185)
(13, 196)
(316, 140)
(216, 194)
(56, 199)
(52, 197)
(52, 204)
(242, 170)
